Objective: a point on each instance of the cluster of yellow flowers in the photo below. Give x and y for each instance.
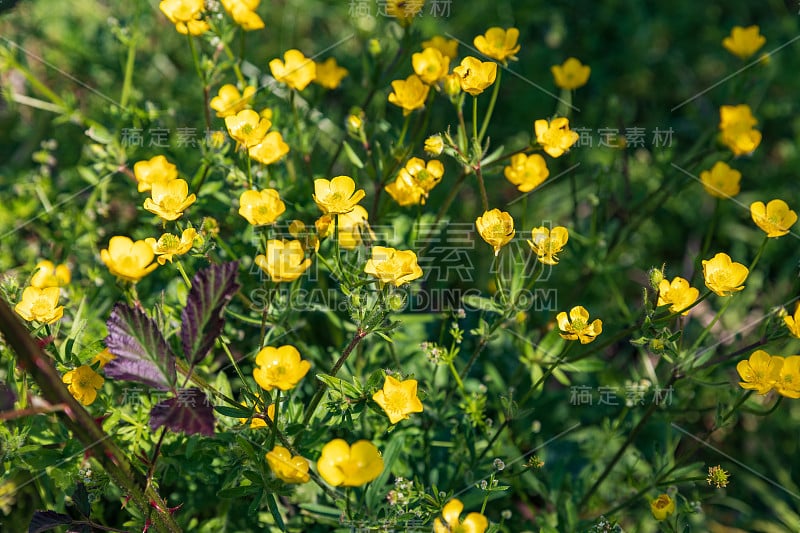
(189, 16)
(39, 301)
(415, 181)
(763, 372)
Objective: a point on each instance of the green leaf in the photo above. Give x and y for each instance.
(340, 385)
(276, 514)
(482, 303)
(375, 491)
(234, 412)
(352, 156)
(238, 492)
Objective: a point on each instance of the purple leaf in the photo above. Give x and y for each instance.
(202, 318)
(142, 353)
(47, 520)
(190, 412)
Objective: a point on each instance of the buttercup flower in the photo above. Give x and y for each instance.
(256, 422)
(128, 260)
(403, 10)
(308, 238)
(775, 218)
(760, 372)
(555, 136)
(103, 357)
(296, 71)
(793, 322)
(448, 47)
(330, 74)
(350, 466)
(430, 65)
(230, 101)
(526, 171)
(83, 383)
(247, 127)
(721, 181)
(415, 180)
(736, 128)
(577, 326)
(498, 43)
(244, 14)
(434, 145)
(338, 195)
(496, 228)
(270, 150)
(744, 42)
(678, 294)
(279, 368)
(393, 266)
(187, 15)
(351, 226)
(40, 305)
(475, 75)
(156, 169)
(46, 274)
(404, 190)
(409, 94)
(261, 207)
(169, 200)
(284, 260)
(287, 467)
(398, 399)
(723, 276)
(788, 382)
(168, 245)
(571, 74)
(546, 243)
(662, 507)
(473, 523)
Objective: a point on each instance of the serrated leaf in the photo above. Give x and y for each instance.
(188, 413)
(203, 318)
(340, 385)
(142, 353)
(47, 520)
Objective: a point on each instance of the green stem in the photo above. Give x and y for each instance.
(707, 329)
(488, 116)
(186, 280)
(475, 140)
(758, 254)
(711, 228)
(456, 376)
(129, 64)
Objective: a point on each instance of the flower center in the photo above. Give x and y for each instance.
(578, 324)
(41, 307)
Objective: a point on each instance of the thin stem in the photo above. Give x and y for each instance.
(475, 140)
(129, 64)
(707, 329)
(488, 116)
(758, 254)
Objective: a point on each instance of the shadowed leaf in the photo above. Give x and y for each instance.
(47, 520)
(190, 412)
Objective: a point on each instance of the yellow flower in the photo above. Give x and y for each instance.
(103, 357)
(330, 74)
(168, 245)
(793, 322)
(243, 13)
(496, 228)
(498, 43)
(279, 368)
(736, 128)
(156, 169)
(555, 136)
(351, 466)
(452, 86)
(187, 15)
(721, 181)
(546, 243)
(404, 10)
(723, 276)
(261, 207)
(128, 260)
(284, 260)
(426, 175)
(526, 172)
(337, 196)
(308, 238)
(434, 145)
(351, 226)
(393, 266)
(775, 218)
(169, 200)
(430, 65)
(448, 47)
(760, 372)
(270, 150)
(571, 74)
(475, 75)
(409, 94)
(404, 190)
(662, 507)
(230, 101)
(296, 71)
(40, 305)
(473, 523)
(83, 383)
(577, 326)
(287, 467)
(46, 274)
(744, 42)
(247, 127)
(398, 399)
(788, 383)
(678, 294)
(256, 422)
